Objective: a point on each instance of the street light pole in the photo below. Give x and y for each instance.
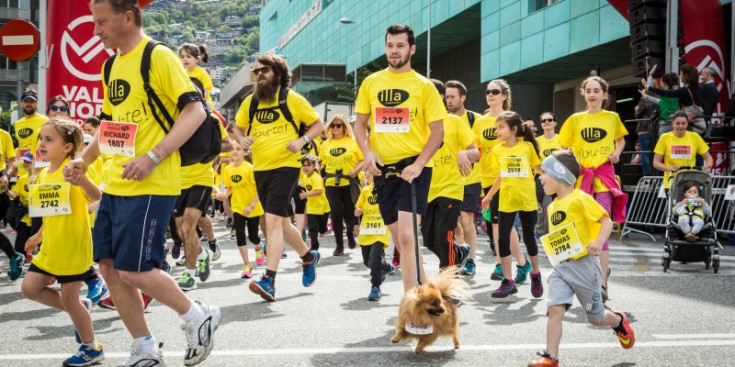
(428, 45)
(354, 24)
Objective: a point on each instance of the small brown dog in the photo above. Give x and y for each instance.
(428, 311)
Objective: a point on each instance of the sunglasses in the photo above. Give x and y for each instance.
(58, 108)
(337, 126)
(494, 92)
(263, 70)
(547, 120)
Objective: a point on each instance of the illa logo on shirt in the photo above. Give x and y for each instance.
(392, 97)
(336, 152)
(372, 199)
(236, 178)
(593, 134)
(308, 187)
(489, 134)
(267, 116)
(558, 217)
(547, 152)
(117, 91)
(25, 132)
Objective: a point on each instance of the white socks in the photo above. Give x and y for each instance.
(195, 313)
(146, 345)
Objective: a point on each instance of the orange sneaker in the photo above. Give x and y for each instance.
(627, 335)
(544, 361)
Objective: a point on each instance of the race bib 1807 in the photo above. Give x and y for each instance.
(49, 199)
(681, 152)
(117, 138)
(562, 244)
(392, 120)
(513, 167)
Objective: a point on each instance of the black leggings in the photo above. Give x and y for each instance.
(340, 201)
(372, 257)
(23, 232)
(241, 222)
(7, 247)
(317, 225)
(528, 226)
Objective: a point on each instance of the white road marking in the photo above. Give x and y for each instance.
(694, 336)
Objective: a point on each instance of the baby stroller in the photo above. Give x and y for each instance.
(677, 248)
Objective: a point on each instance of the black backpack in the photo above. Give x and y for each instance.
(471, 117)
(283, 106)
(206, 142)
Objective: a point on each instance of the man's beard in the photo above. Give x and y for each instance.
(402, 62)
(265, 90)
(29, 110)
(452, 110)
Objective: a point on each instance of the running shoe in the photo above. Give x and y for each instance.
(233, 233)
(625, 333)
(522, 272)
(166, 267)
(96, 289)
(16, 266)
(247, 271)
(264, 287)
(181, 261)
(544, 361)
(375, 294)
(107, 303)
(507, 287)
(87, 303)
(146, 301)
(203, 239)
(388, 269)
(537, 286)
(463, 254)
(284, 255)
(229, 223)
(351, 242)
(85, 356)
(396, 258)
(203, 265)
(259, 257)
(309, 275)
(200, 335)
(176, 251)
(498, 273)
(187, 282)
(469, 268)
(137, 359)
(50, 282)
(338, 251)
(216, 253)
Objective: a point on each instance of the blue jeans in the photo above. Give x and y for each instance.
(645, 141)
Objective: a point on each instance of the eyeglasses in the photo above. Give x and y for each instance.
(547, 120)
(263, 70)
(494, 92)
(59, 108)
(336, 126)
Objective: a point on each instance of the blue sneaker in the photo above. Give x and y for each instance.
(463, 253)
(374, 294)
(87, 303)
(96, 289)
(16, 266)
(310, 269)
(469, 268)
(86, 356)
(176, 250)
(388, 269)
(522, 272)
(497, 273)
(263, 287)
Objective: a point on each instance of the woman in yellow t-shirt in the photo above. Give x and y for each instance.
(342, 160)
(66, 253)
(191, 55)
(547, 144)
(679, 148)
(514, 162)
(239, 181)
(317, 205)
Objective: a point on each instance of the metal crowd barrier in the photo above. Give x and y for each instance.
(647, 207)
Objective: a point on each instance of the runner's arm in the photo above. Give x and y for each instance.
(606, 225)
(432, 145)
(371, 160)
(619, 146)
(708, 162)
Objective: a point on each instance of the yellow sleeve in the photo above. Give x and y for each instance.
(494, 163)
(620, 130)
(7, 144)
(226, 176)
(661, 144)
(592, 209)
(361, 200)
(302, 111)
(362, 105)
(433, 105)
(700, 145)
(242, 118)
(466, 135)
(566, 134)
(316, 182)
(534, 159)
(169, 76)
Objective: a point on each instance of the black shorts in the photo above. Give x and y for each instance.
(196, 196)
(62, 278)
(299, 203)
(471, 199)
(394, 195)
(275, 188)
(494, 205)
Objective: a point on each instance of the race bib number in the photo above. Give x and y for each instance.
(40, 162)
(414, 329)
(372, 224)
(513, 167)
(681, 152)
(392, 120)
(562, 244)
(46, 200)
(117, 138)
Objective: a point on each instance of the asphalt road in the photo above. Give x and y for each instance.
(681, 318)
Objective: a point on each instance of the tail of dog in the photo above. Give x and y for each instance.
(450, 285)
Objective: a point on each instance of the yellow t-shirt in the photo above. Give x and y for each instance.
(446, 181)
(7, 151)
(414, 103)
(679, 151)
(241, 181)
(200, 174)
(342, 154)
(315, 204)
(486, 140)
(272, 132)
(27, 130)
(582, 210)
(516, 193)
(476, 174)
(67, 239)
(21, 188)
(126, 101)
(201, 75)
(371, 216)
(547, 146)
(592, 138)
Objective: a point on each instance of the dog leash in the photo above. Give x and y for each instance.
(415, 231)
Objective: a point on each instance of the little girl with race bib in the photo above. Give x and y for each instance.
(514, 162)
(66, 253)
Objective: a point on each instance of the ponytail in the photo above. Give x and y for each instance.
(513, 119)
(203, 54)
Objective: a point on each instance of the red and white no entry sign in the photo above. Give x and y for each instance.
(19, 40)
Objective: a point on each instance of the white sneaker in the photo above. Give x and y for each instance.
(181, 261)
(200, 335)
(144, 360)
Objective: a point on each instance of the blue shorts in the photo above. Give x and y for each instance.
(131, 230)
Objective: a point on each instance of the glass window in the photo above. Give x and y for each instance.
(3, 3)
(3, 62)
(14, 3)
(535, 5)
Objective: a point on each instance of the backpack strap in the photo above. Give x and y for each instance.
(254, 101)
(108, 68)
(471, 118)
(153, 100)
(282, 105)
